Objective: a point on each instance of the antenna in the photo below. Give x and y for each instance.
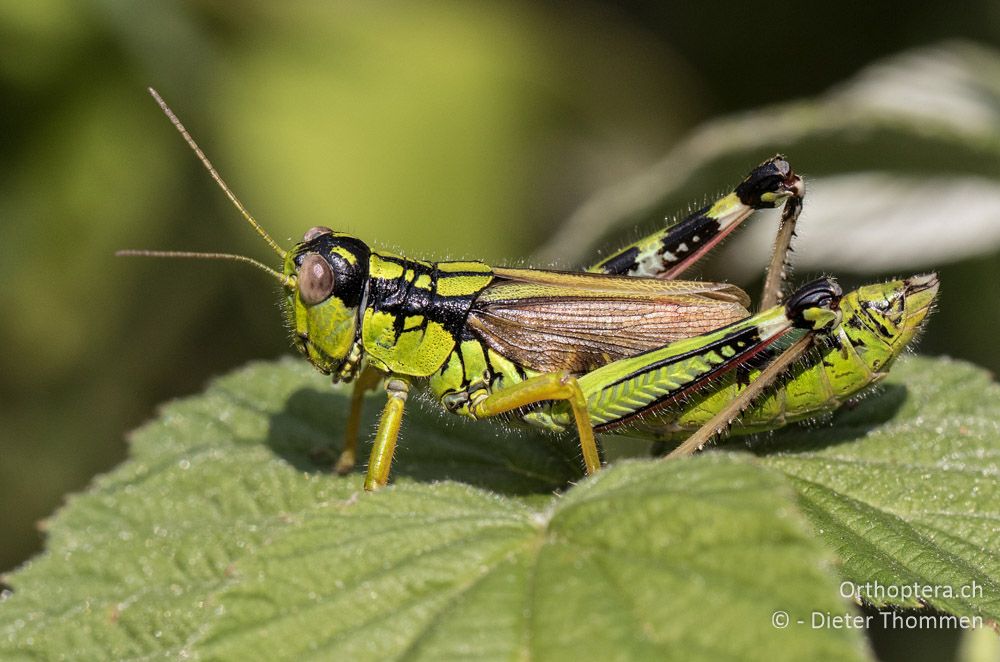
(287, 281)
(218, 180)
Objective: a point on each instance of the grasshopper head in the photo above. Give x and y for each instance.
(327, 279)
(879, 320)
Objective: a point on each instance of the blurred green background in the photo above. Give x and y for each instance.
(439, 129)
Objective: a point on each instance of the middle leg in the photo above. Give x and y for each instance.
(550, 386)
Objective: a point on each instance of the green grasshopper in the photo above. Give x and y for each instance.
(621, 346)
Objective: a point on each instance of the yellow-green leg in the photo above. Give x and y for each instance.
(551, 386)
(366, 381)
(396, 388)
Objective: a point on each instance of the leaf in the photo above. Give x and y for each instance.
(914, 499)
(902, 157)
(462, 574)
(222, 538)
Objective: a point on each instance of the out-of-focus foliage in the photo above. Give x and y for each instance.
(442, 129)
(904, 169)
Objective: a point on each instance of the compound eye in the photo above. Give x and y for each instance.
(315, 279)
(317, 231)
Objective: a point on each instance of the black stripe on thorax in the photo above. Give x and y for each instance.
(401, 299)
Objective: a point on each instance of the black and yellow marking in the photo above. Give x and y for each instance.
(416, 311)
(667, 252)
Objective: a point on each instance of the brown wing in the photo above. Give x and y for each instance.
(632, 286)
(549, 321)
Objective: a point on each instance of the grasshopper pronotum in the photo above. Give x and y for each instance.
(623, 344)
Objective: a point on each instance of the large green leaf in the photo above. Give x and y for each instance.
(221, 536)
(224, 536)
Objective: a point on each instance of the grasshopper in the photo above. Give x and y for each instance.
(624, 345)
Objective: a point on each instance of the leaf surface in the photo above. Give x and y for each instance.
(906, 488)
(222, 537)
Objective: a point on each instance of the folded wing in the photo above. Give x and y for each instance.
(548, 320)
